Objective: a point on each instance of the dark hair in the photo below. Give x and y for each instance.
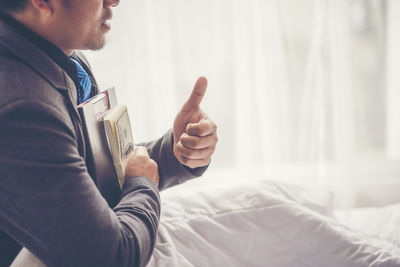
(12, 5)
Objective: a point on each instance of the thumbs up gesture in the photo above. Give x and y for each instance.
(195, 134)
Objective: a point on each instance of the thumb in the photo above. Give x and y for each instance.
(197, 95)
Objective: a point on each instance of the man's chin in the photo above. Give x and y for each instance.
(96, 44)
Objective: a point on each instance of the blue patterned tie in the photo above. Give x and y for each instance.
(85, 85)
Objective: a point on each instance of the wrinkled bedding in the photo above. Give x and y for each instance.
(382, 223)
(265, 223)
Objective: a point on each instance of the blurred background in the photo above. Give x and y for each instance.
(307, 90)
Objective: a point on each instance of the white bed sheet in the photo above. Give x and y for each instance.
(262, 223)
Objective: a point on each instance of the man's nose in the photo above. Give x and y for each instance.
(111, 3)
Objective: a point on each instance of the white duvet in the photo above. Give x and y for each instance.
(265, 223)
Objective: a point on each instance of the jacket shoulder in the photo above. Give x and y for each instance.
(20, 81)
(23, 89)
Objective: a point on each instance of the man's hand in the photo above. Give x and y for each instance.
(195, 134)
(140, 164)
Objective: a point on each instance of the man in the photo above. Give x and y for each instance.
(48, 201)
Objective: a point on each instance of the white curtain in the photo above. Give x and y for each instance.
(288, 84)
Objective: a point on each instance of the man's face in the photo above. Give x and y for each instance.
(82, 24)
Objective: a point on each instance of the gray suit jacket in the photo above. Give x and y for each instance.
(48, 201)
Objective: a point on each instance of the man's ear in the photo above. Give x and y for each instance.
(43, 6)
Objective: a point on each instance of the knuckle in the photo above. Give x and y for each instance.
(215, 126)
(182, 149)
(210, 124)
(191, 142)
(188, 153)
(185, 136)
(152, 163)
(185, 160)
(186, 142)
(195, 130)
(185, 153)
(183, 142)
(195, 143)
(210, 152)
(179, 146)
(199, 131)
(153, 167)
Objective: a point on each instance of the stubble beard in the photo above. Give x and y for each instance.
(97, 42)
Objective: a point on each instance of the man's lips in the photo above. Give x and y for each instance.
(107, 18)
(107, 23)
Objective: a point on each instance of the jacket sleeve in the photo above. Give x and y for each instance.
(171, 171)
(50, 205)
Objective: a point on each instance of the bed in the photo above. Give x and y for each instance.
(262, 222)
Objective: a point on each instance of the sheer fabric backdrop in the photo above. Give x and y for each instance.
(299, 89)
